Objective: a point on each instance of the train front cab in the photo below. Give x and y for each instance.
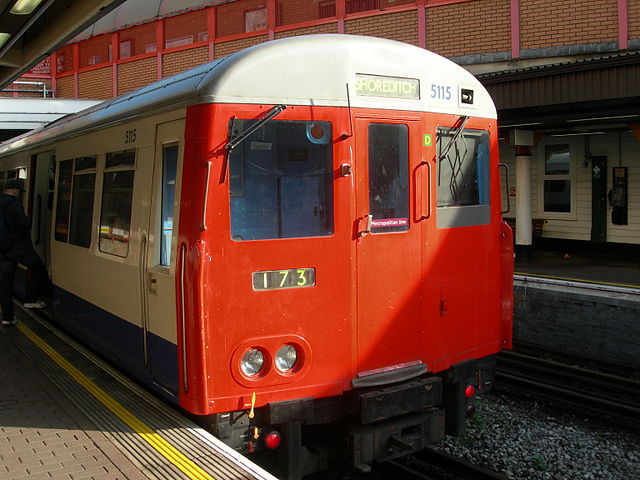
(371, 246)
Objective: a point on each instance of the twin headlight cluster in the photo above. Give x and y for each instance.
(254, 359)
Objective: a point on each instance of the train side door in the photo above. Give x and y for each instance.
(158, 270)
(389, 240)
(41, 203)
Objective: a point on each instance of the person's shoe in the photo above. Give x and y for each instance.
(36, 304)
(9, 322)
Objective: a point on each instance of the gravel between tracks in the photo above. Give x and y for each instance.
(527, 440)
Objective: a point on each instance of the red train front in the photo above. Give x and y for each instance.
(341, 255)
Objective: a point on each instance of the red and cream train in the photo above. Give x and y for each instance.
(304, 234)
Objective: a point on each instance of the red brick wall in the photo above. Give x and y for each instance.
(95, 83)
(136, 74)
(230, 17)
(192, 25)
(227, 48)
(549, 23)
(142, 38)
(469, 28)
(401, 26)
(297, 11)
(326, 28)
(182, 60)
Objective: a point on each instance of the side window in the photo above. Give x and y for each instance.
(169, 169)
(281, 180)
(557, 178)
(389, 177)
(463, 177)
(117, 195)
(74, 208)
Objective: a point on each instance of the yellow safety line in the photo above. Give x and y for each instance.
(551, 277)
(167, 450)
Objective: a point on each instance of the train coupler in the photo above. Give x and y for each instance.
(397, 437)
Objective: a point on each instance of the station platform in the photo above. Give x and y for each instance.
(64, 414)
(582, 267)
(583, 305)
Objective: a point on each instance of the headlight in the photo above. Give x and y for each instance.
(252, 362)
(286, 358)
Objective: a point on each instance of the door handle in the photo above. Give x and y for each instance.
(367, 228)
(422, 195)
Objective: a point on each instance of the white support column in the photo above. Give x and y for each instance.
(522, 141)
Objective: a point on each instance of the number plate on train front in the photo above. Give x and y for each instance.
(289, 278)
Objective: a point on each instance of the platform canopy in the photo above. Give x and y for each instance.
(31, 30)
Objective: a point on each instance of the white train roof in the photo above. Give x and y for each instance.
(306, 70)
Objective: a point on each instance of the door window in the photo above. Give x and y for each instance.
(169, 169)
(281, 180)
(388, 177)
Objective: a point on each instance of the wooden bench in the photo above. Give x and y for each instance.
(536, 226)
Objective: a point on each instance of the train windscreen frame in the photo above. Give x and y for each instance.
(281, 180)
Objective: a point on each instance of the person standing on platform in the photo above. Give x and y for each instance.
(17, 247)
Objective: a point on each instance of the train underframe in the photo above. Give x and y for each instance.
(361, 427)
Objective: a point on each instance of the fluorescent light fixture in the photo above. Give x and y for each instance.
(3, 38)
(520, 125)
(576, 134)
(25, 7)
(615, 117)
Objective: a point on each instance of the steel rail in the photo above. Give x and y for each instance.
(601, 393)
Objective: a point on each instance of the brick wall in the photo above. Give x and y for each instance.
(182, 60)
(401, 26)
(190, 27)
(136, 74)
(96, 83)
(549, 23)
(634, 19)
(297, 11)
(469, 28)
(227, 48)
(230, 17)
(64, 87)
(326, 28)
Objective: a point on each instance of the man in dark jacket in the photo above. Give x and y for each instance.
(19, 249)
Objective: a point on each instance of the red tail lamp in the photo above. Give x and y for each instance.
(273, 440)
(470, 391)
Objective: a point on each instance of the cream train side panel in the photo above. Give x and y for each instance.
(108, 281)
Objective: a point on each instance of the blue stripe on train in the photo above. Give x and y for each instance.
(119, 341)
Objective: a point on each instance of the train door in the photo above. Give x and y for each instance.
(391, 209)
(41, 202)
(158, 266)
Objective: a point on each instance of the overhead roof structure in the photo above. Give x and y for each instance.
(34, 29)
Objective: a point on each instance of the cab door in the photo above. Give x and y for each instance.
(159, 251)
(392, 207)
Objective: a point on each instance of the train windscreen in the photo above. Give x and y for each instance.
(280, 180)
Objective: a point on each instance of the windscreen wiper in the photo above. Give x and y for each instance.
(457, 131)
(234, 142)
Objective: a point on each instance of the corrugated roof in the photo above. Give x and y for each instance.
(591, 63)
(135, 12)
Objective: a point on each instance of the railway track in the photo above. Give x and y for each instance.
(588, 390)
(431, 464)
